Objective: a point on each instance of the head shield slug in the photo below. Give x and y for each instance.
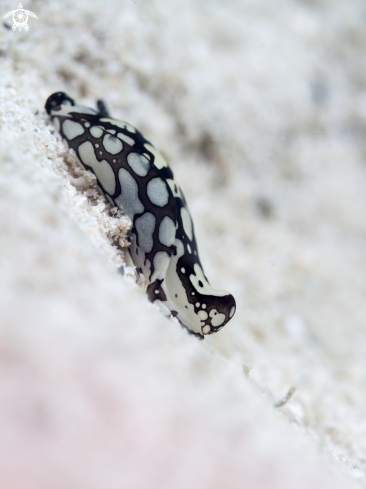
(135, 177)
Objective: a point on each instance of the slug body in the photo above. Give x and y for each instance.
(135, 177)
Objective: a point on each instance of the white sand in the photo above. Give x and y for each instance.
(260, 107)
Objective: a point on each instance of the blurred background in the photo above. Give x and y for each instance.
(260, 108)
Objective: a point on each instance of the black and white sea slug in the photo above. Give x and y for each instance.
(135, 177)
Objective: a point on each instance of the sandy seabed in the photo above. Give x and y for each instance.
(260, 109)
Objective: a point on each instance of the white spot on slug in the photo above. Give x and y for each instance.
(206, 329)
(125, 138)
(157, 192)
(102, 169)
(202, 315)
(112, 144)
(139, 164)
(145, 226)
(96, 131)
(187, 222)
(174, 188)
(183, 270)
(167, 231)
(72, 129)
(161, 262)
(128, 198)
(159, 160)
(231, 313)
(216, 318)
